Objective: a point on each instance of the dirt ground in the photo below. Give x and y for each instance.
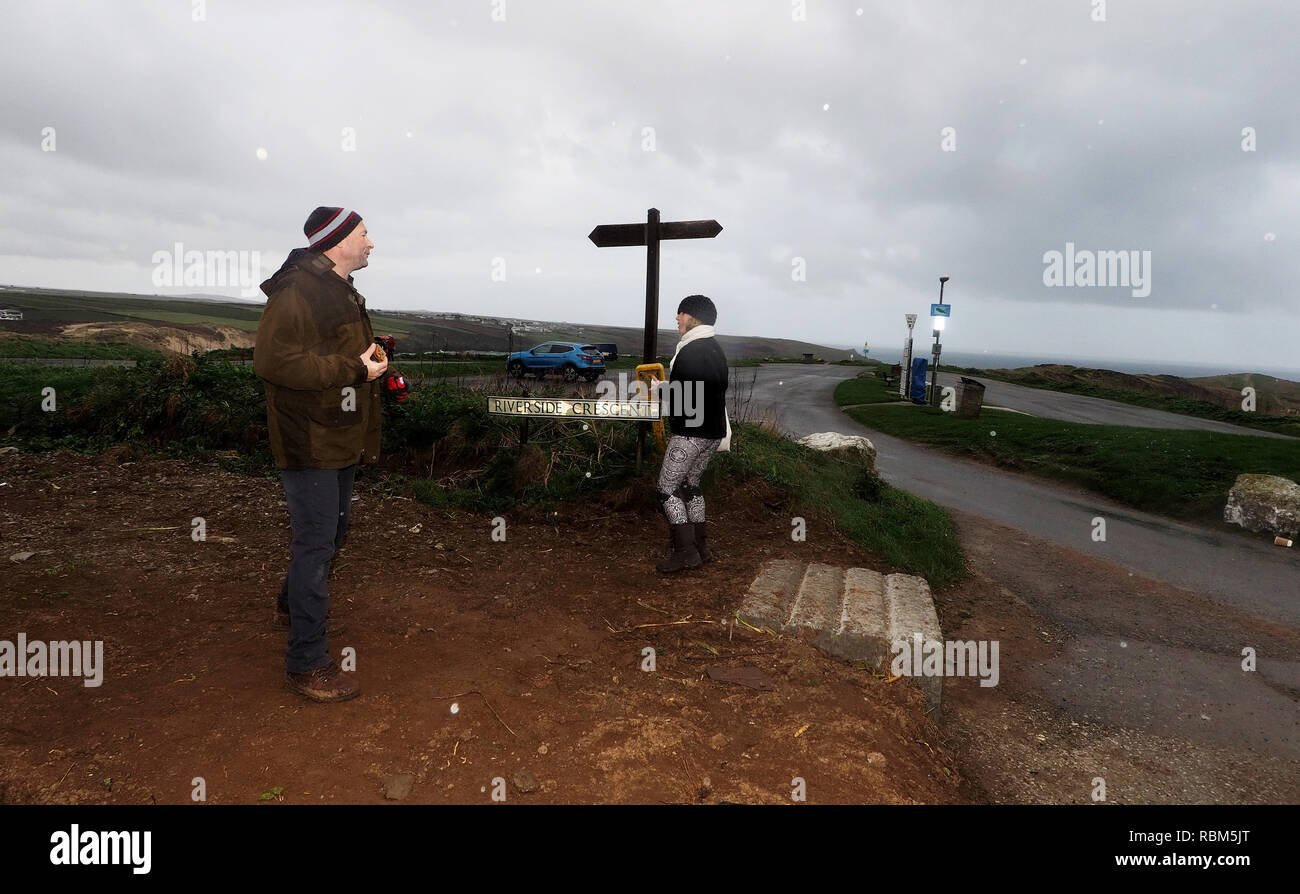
(537, 640)
(1175, 723)
(175, 339)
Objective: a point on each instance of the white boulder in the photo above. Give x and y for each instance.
(852, 447)
(1264, 503)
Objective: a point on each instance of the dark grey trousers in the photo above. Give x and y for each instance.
(320, 507)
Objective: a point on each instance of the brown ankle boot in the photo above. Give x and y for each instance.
(702, 542)
(325, 684)
(684, 554)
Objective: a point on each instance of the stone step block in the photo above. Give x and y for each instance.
(851, 613)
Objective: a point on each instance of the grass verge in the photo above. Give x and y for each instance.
(906, 531)
(1180, 474)
(866, 388)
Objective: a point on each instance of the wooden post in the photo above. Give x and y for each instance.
(649, 234)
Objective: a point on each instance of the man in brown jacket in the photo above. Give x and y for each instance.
(316, 352)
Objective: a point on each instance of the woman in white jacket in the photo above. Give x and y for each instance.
(696, 413)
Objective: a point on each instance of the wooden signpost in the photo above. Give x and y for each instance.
(650, 234)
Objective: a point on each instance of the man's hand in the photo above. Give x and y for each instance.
(374, 368)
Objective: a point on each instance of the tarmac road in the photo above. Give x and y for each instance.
(1246, 572)
(1093, 410)
(1147, 682)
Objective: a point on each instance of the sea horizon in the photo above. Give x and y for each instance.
(1184, 370)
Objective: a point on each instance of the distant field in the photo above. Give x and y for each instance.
(386, 325)
(1181, 474)
(416, 332)
(79, 307)
(169, 316)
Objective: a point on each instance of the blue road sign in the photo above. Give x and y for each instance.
(941, 310)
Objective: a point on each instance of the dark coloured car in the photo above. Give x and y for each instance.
(570, 359)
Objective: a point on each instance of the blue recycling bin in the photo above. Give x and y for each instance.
(919, 365)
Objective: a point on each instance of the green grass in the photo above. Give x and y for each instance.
(389, 325)
(173, 316)
(177, 404)
(865, 388)
(26, 346)
(1180, 474)
(906, 531)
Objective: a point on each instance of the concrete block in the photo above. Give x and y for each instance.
(770, 597)
(863, 630)
(911, 611)
(817, 603)
(855, 614)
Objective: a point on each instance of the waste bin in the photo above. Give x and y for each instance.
(919, 365)
(970, 397)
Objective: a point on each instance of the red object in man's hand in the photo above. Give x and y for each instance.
(395, 387)
(389, 344)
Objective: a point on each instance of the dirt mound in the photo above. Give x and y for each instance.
(1279, 396)
(174, 339)
(479, 658)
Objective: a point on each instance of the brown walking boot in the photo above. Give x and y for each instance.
(702, 542)
(684, 554)
(327, 683)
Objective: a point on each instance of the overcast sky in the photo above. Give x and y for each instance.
(815, 135)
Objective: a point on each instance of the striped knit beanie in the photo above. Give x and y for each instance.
(327, 227)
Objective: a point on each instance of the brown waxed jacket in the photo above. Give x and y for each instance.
(309, 343)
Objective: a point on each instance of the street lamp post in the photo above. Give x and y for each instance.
(934, 367)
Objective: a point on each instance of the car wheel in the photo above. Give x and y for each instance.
(516, 368)
(570, 373)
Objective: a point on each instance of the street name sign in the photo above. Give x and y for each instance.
(569, 408)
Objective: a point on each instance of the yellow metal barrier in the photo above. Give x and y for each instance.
(649, 373)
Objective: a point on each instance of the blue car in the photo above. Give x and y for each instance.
(571, 359)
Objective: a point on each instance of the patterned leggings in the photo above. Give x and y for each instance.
(685, 460)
